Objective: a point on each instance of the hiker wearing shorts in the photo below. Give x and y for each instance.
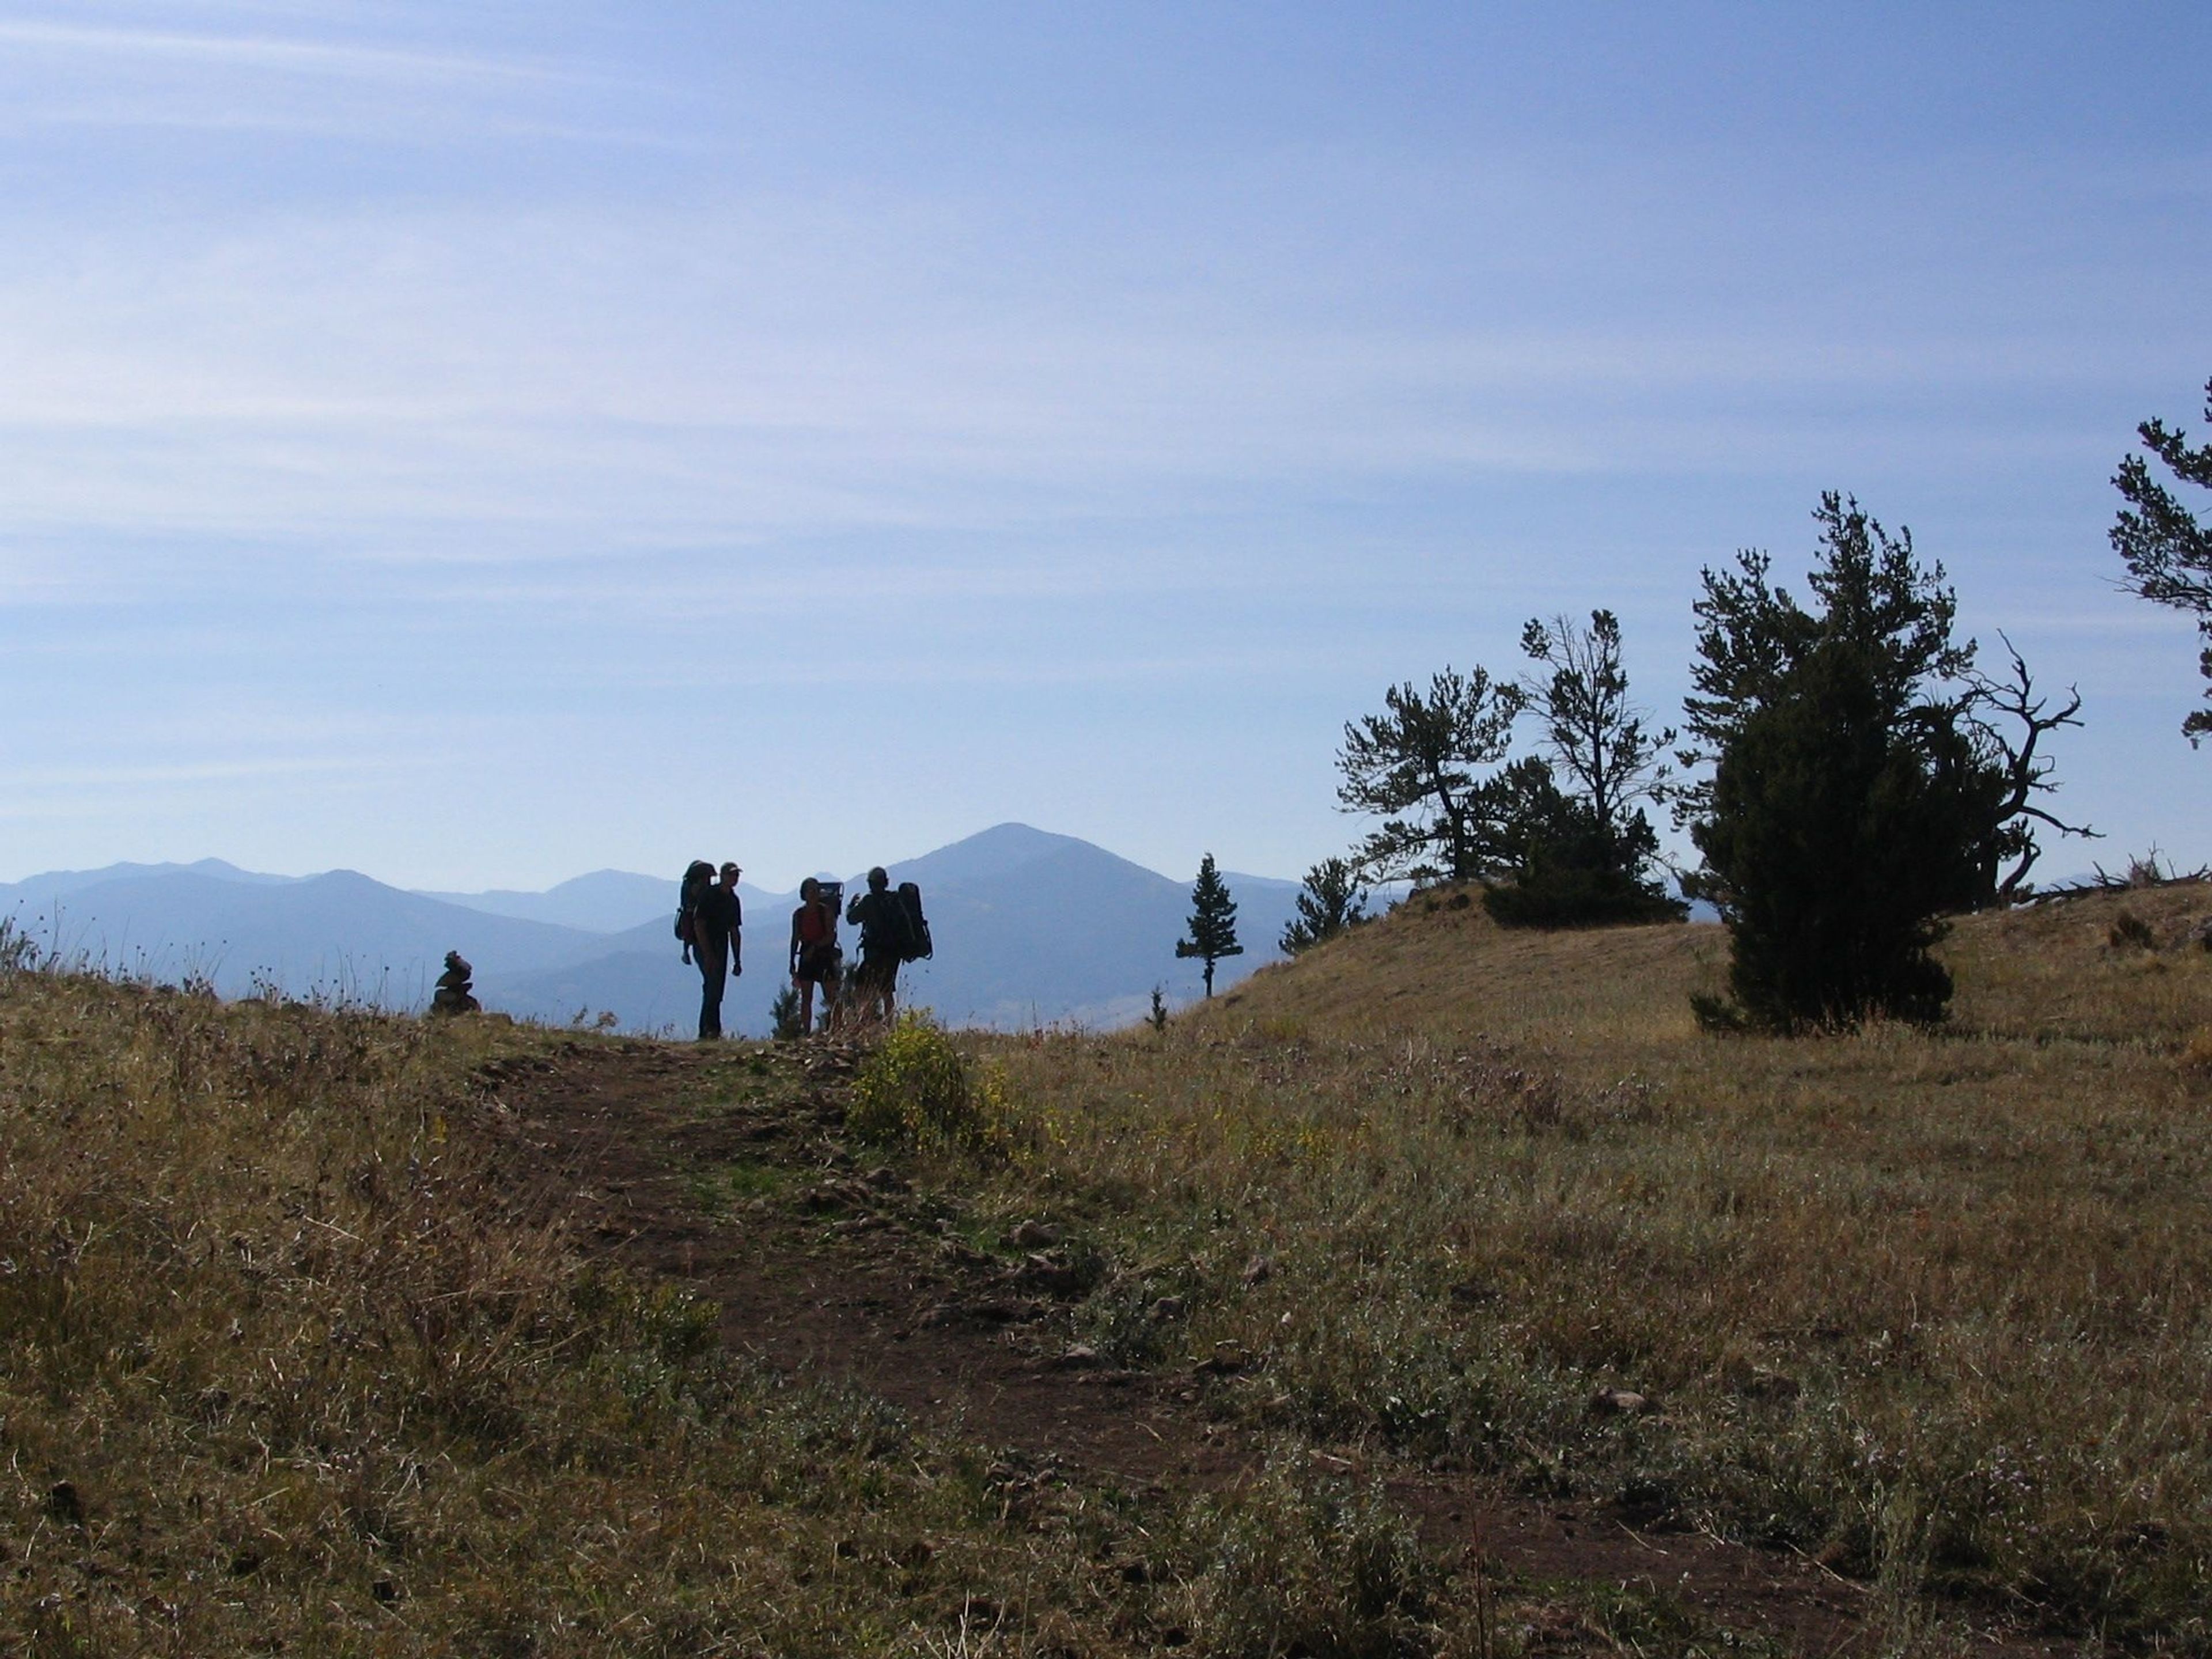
(881, 935)
(814, 956)
(716, 946)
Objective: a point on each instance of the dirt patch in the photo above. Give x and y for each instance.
(727, 1169)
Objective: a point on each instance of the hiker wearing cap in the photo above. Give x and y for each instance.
(883, 936)
(716, 923)
(814, 955)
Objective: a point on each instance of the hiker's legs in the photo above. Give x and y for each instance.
(713, 966)
(805, 986)
(877, 985)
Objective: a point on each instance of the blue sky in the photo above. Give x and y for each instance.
(479, 444)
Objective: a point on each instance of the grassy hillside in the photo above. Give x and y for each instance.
(1935, 1307)
(296, 1357)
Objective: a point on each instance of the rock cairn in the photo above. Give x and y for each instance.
(453, 995)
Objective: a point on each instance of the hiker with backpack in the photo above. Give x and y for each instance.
(698, 877)
(710, 922)
(814, 957)
(892, 930)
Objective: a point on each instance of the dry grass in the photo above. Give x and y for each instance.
(1932, 1306)
(281, 1370)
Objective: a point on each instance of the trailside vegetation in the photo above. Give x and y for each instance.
(783, 1015)
(1212, 922)
(1332, 899)
(2169, 554)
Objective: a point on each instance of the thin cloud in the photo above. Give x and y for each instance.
(349, 60)
(192, 772)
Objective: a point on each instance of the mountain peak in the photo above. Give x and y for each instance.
(991, 853)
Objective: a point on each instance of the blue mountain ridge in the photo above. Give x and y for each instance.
(1030, 928)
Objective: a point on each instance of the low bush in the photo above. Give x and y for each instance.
(918, 1089)
(2129, 931)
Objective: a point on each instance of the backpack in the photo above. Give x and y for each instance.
(697, 878)
(914, 945)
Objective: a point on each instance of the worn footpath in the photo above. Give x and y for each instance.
(729, 1171)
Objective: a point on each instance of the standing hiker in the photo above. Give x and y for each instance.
(814, 955)
(883, 945)
(716, 922)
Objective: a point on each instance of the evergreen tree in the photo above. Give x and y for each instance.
(1414, 765)
(1584, 858)
(1332, 899)
(2169, 554)
(783, 1015)
(1857, 789)
(1555, 865)
(1837, 833)
(1212, 922)
(1598, 739)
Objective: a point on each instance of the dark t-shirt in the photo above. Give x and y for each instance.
(880, 932)
(717, 917)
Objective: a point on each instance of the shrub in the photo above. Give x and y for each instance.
(783, 1015)
(1565, 896)
(2129, 931)
(916, 1090)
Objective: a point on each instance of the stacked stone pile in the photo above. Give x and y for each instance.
(454, 994)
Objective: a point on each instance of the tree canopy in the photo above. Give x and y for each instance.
(1596, 736)
(2167, 553)
(1584, 854)
(1414, 766)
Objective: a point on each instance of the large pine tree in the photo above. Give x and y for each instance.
(1841, 827)
(1853, 798)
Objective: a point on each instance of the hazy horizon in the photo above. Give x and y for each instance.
(769, 887)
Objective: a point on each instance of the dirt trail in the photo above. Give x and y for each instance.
(841, 1272)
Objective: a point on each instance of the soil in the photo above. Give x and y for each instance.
(839, 1271)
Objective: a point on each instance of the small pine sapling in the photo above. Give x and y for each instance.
(1212, 922)
(1333, 900)
(784, 1013)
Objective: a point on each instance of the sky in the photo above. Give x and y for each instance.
(476, 445)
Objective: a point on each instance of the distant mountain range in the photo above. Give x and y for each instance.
(1029, 928)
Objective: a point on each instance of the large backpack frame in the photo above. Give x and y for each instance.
(697, 878)
(915, 945)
